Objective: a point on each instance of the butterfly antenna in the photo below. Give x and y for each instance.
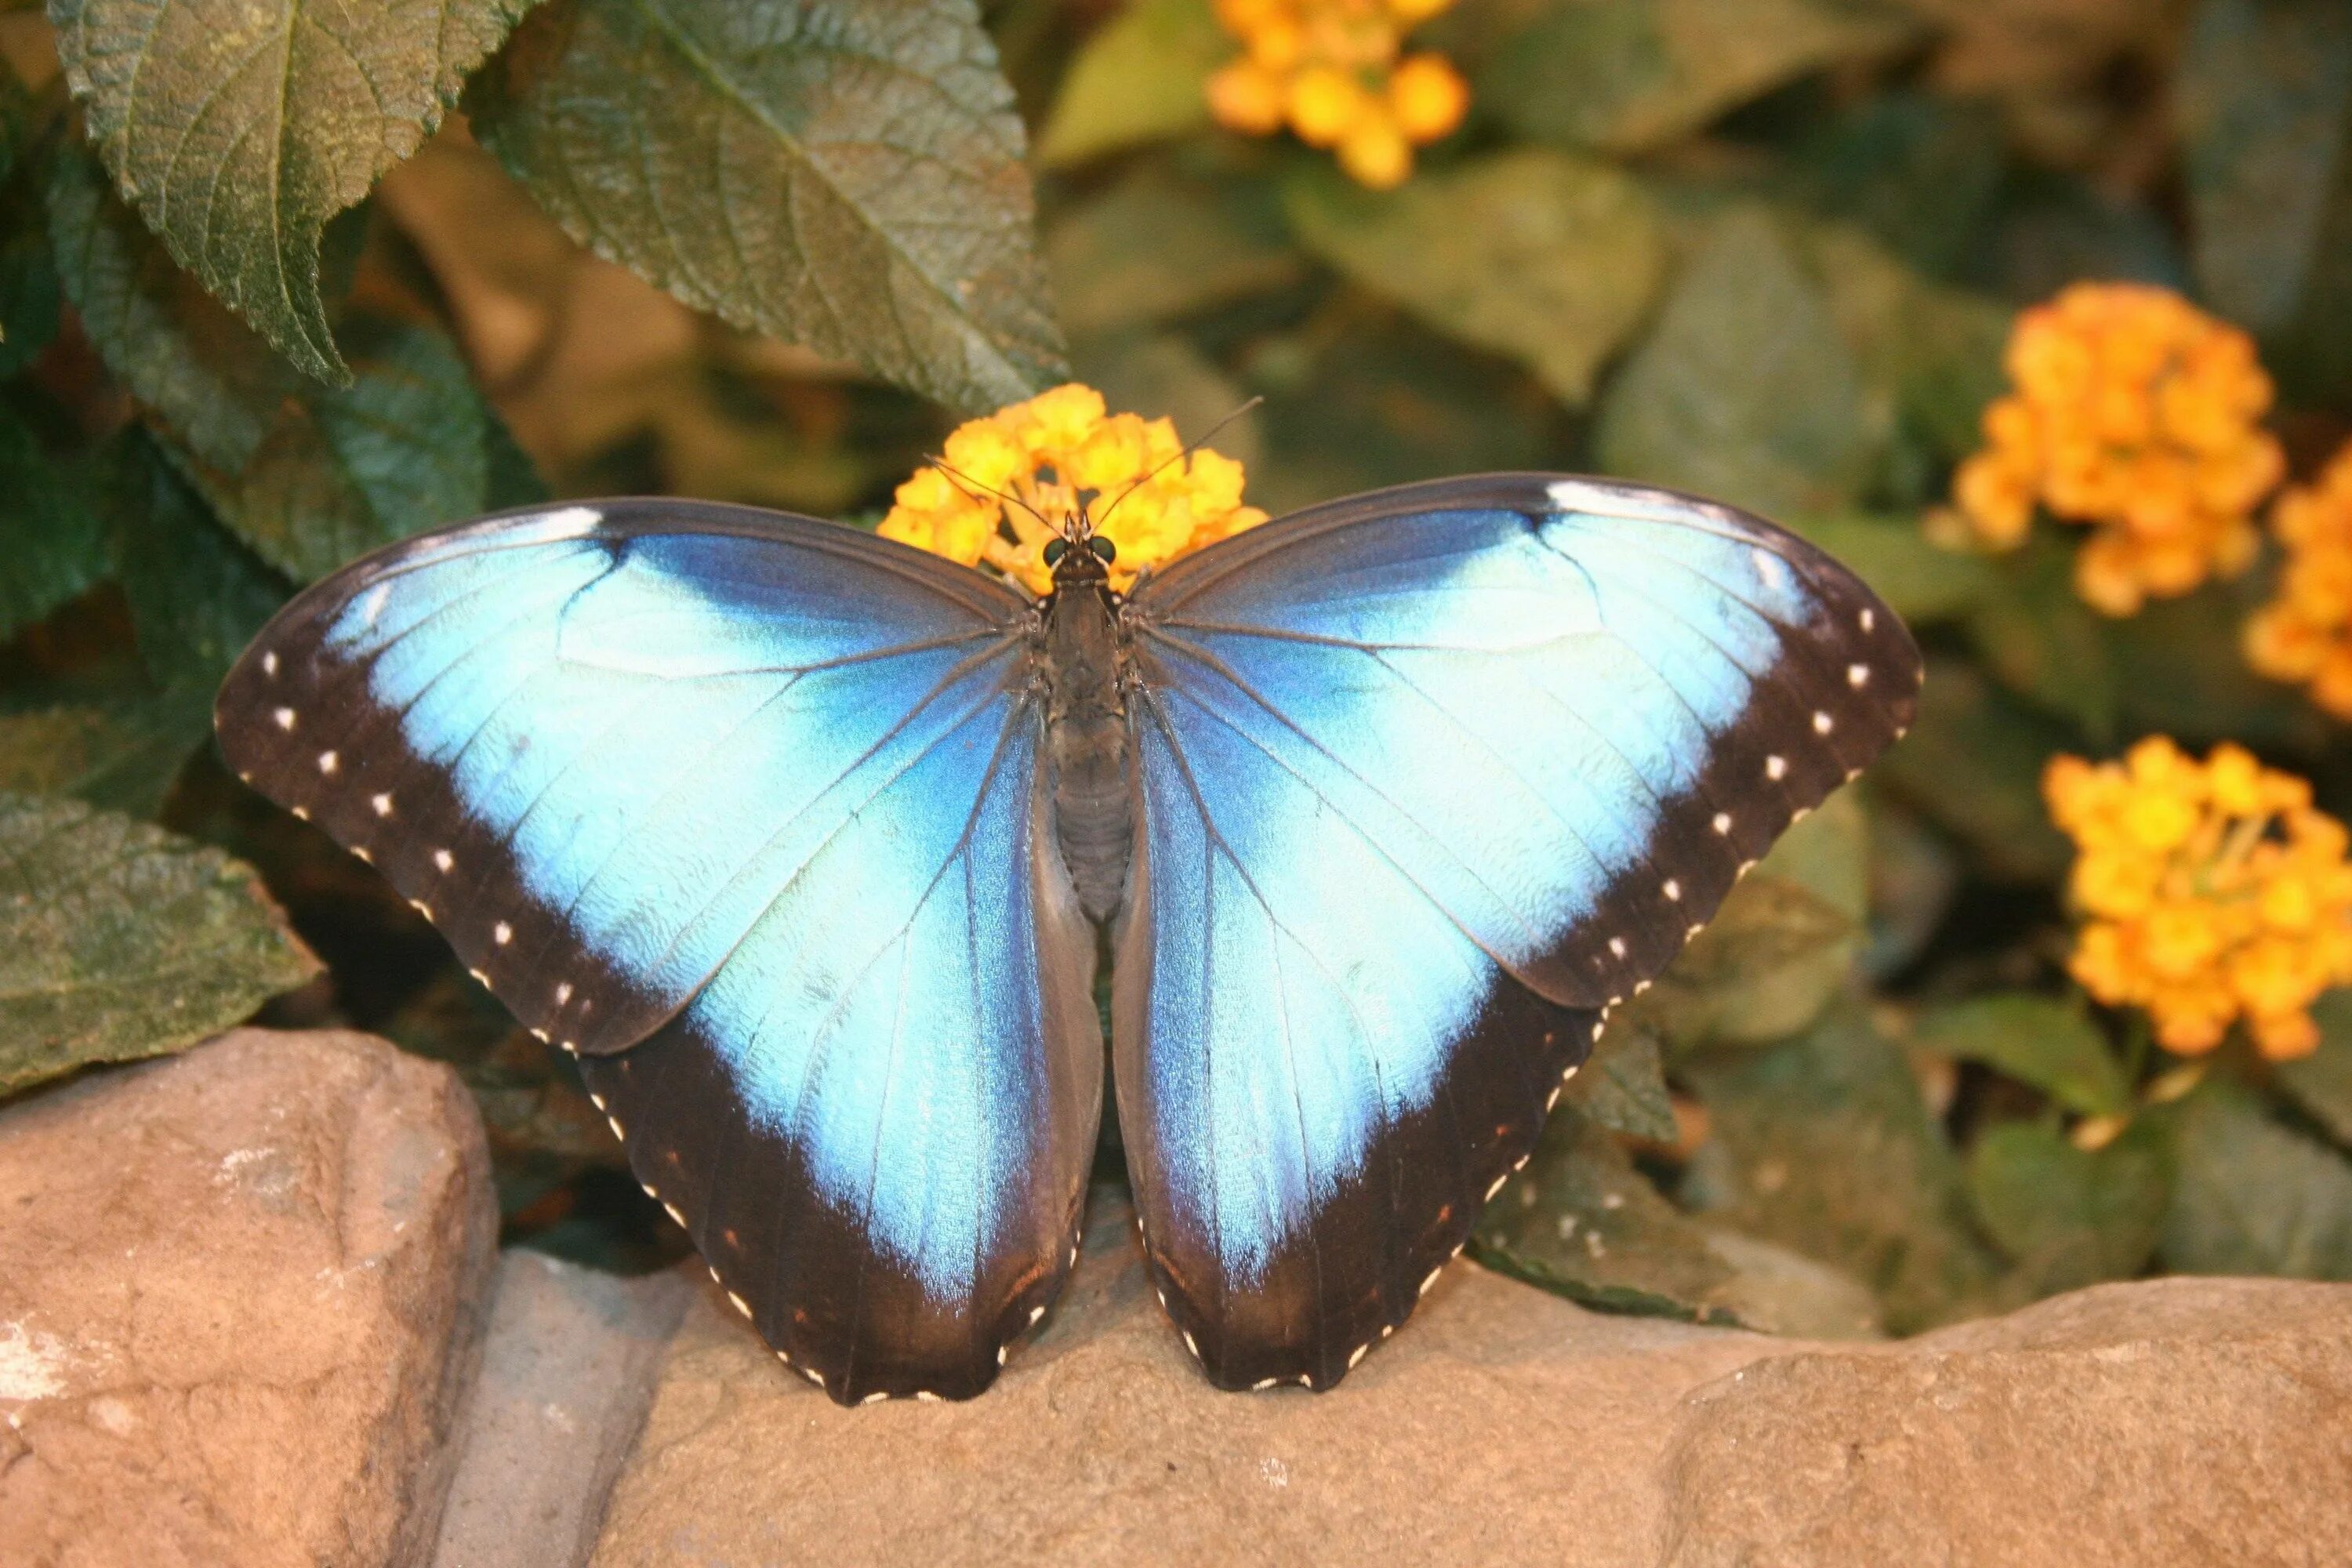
(1195, 444)
(960, 478)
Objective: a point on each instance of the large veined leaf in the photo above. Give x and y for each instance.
(308, 475)
(120, 940)
(197, 594)
(1546, 257)
(846, 173)
(203, 375)
(240, 126)
(404, 446)
(124, 755)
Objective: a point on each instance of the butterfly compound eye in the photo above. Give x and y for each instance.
(1054, 550)
(1104, 549)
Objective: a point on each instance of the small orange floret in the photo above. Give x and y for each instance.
(2138, 415)
(1331, 71)
(2304, 634)
(2213, 892)
(1428, 96)
(1050, 453)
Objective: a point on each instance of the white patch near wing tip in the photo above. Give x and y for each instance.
(570, 521)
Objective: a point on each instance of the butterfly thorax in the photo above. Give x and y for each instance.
(1086, 737)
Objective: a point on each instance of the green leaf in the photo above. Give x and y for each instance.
(2068, 1216)
(2321, 1083)
(1972, 764)
(1935, 352)
(1138, 77)
(310, 476)
(404, 447)
(120, 940)
(2252, 1197)
(2266, 109)
(1914, 875)
(1919, 169)
(1780, 947)
(1544, 258)
(49, 537)
(1582, 1223)
(239, 134)
(846, 173)
(15, 121)
(1746, 390)
(1623, 1086)
(1825, 1144)
(1921, 581)
(197, 594)
(509, 478)
(1627, 75)
(1354, 404)
(124, 755)
(2050, 1045)
(28, 277)
(2035, 635)
(204, 375)
(2180, 667)
(1157, 244)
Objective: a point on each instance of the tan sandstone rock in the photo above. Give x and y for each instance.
(2182, 1422)
(568, 1369)
(238, 1300)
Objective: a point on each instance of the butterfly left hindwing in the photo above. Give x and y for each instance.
(744, 809)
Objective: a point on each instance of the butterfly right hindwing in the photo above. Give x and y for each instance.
(1427, 781)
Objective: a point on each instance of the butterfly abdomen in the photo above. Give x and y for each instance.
(1087, 739)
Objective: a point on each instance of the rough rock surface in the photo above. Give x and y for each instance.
(2180, 1422)
(2188, 1421)
(238, 1307)
(568, 1369)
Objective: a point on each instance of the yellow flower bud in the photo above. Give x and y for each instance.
(1428, 96)
(1375, 152)
(1324, 105)
(1246, 97)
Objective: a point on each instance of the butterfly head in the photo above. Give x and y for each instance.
(1080, 557)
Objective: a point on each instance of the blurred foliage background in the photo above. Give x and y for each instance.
(274, 296)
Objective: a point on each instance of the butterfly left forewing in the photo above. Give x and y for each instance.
(742, 809)
(1428, 780)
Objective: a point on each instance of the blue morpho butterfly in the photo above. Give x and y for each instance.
(802, 841)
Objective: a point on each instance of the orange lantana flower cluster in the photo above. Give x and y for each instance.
(2213, 891)
(1050, 454)
(1330, 70)
(2304, 633)
(2138, 414)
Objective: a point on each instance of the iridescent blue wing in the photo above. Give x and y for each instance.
(746, 810)
(1427, 781)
